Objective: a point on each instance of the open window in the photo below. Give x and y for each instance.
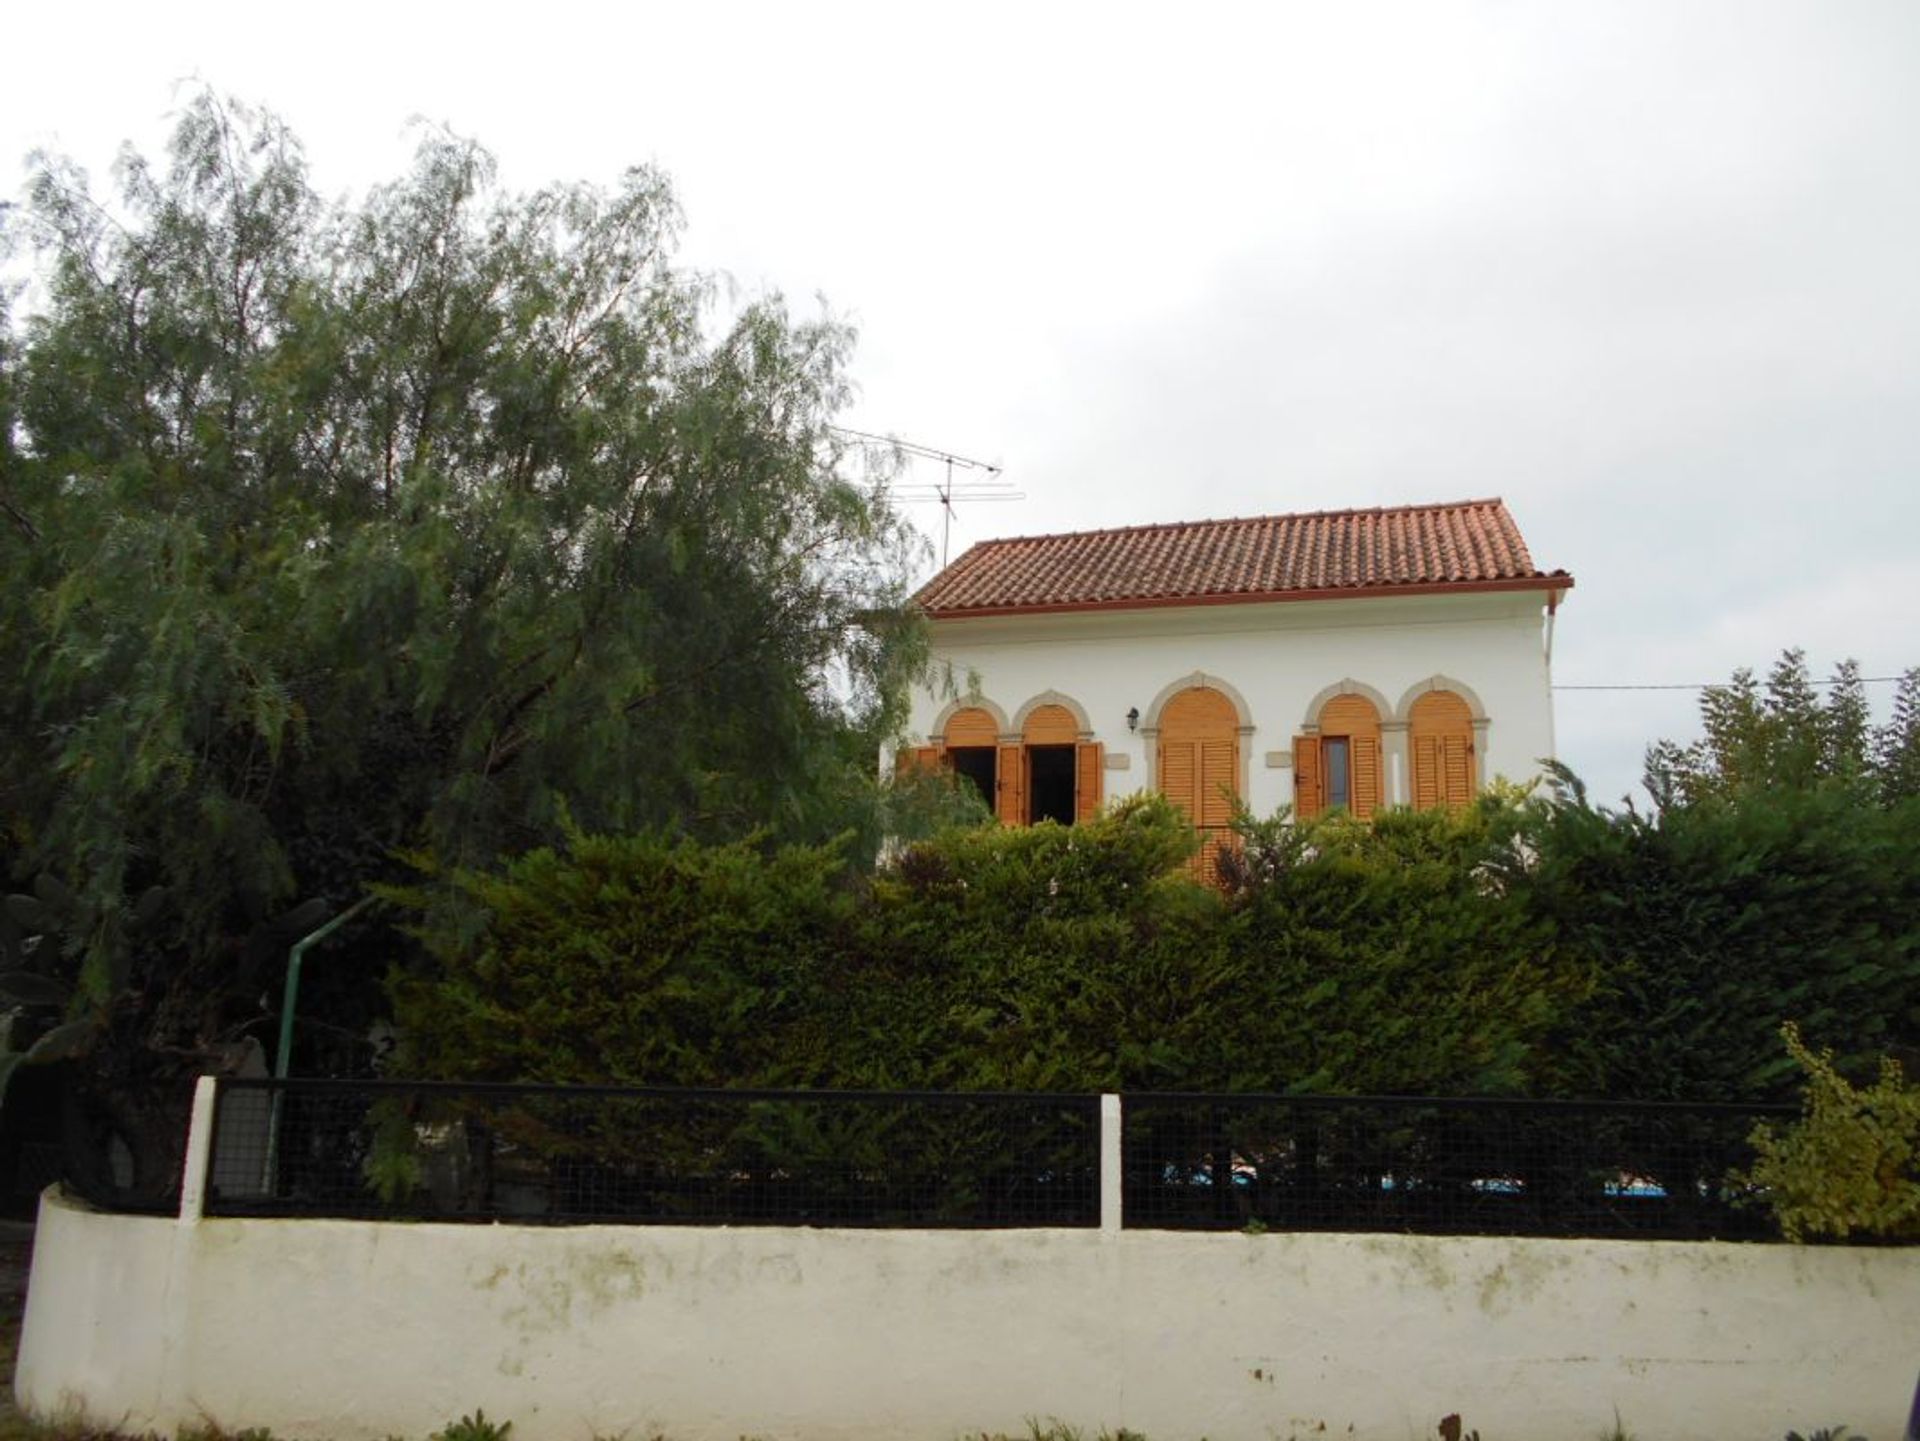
(1049, 774)
(968, 749)
(1056, 775)
(1339, 768)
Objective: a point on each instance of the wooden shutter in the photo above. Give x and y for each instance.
(1442, 744)
(1426, 772)
(923, 759)
(1199, 751)
(1457, 768)
(1050, 725)
(1089, 763)
(1012, 785)
(1364, 754)
(1309, 789)
(1217, 788)
(971, 727)
(1177, 774)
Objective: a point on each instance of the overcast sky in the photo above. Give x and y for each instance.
(1650, 272)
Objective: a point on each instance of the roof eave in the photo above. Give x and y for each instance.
(1555, 583)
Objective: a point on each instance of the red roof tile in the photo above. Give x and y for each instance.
(1460, 545)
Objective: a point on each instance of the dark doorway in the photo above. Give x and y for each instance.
(1050, 784)
(976, 763)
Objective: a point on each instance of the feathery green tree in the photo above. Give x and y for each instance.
(1784, 734)
(330, 529)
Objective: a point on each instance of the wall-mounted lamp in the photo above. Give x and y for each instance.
(1133, 718)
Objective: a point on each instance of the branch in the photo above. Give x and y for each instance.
(20, 518)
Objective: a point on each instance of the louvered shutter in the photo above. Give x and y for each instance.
(1218, 790)
(924, 759)
(1458, 771)
(1216, 783)
(1176, 775)
(1365, 759)
(1089, 764)
(1442, 742)
(1426, 772)
(1012, 785)
(1309, 793)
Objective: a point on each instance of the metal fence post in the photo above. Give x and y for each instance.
(193, 1177)
(1110, 1202)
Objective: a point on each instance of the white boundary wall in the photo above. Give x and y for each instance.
(355, 1331)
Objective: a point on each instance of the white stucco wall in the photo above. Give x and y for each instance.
(356, 1331)
(1277, 658)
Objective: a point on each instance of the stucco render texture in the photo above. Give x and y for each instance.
(356, 1331)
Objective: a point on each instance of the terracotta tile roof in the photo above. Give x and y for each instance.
(1460, 545)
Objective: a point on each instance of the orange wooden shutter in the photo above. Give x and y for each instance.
(1309, 795)
(1179, 776)
(1365, 753)
(1426, 771)
(1458, 770)
(1442, 736)
(1216, 784)
(1088, 763)
(971, 727)
(1050, 725)
(924, 759)
(1218, 791)
(1012, 785)
(1176, 774)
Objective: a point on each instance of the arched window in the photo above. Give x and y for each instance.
(1199, 766)
(1049, 773)
(1339, 768)
(1440, 737)
(971, 746)
(1058, 774)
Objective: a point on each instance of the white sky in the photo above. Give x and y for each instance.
(1648, 271)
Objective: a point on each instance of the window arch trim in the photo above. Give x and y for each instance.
(936, 733)
(1404, 711)
(1066, 702)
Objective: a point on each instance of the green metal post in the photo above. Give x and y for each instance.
(289, 998)
(290, 995)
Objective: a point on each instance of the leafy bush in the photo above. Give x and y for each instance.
(1852, 1164)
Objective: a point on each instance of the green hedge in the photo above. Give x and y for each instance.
(1707, 926)
(1542, 947)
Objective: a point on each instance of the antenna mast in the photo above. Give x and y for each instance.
(989, 485)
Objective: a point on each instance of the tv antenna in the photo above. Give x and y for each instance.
(989, 485)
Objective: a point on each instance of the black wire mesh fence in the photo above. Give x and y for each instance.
(576, 1154)
(954, 1160)
(1464, 1167)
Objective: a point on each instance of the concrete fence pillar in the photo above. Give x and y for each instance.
(193, 1176)
(1110, 1163)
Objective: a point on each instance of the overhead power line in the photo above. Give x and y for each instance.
(1723, 685)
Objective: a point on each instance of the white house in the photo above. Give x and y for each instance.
(1342, 658)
